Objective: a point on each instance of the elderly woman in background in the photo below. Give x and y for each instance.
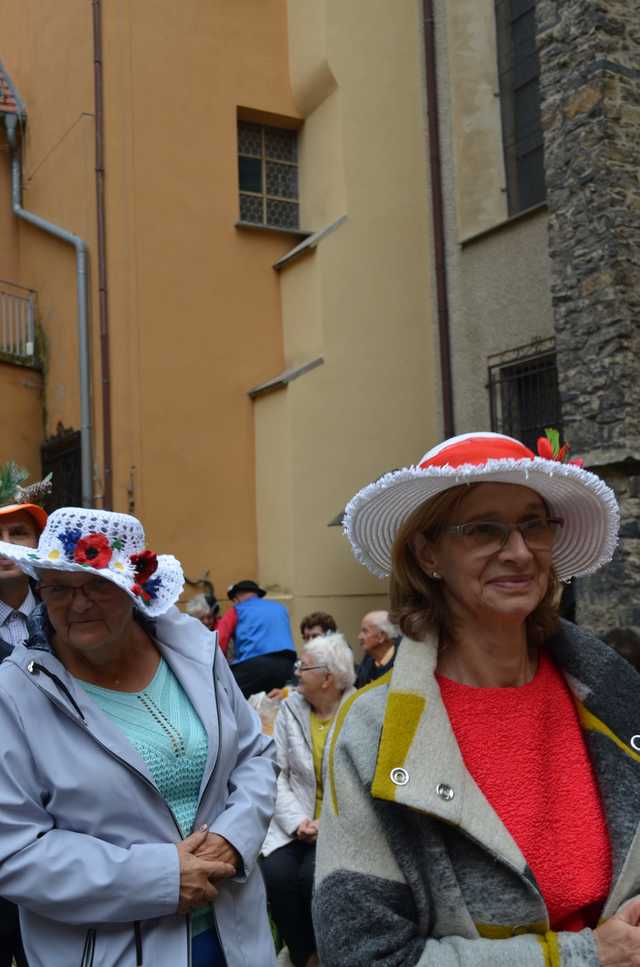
(485, 796)
(205, 608)
(326, 675)
(135, 785)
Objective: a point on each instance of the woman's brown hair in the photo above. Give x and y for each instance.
(418, 603)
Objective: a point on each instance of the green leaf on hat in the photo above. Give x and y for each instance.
(117, 544)
(11, 476)
(554, 439)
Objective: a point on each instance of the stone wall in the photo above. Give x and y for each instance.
(590, 86)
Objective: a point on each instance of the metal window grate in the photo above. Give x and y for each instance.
(268, 175)
(523, 391)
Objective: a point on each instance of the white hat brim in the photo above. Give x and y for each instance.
(169, 571)
(585, 502)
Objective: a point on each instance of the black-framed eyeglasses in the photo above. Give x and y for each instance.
(96, 590)
(490, 536)
(298, 667)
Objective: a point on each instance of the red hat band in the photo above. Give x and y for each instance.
(476, 450)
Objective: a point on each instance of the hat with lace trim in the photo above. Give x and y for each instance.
(108, 545)
(586, 504)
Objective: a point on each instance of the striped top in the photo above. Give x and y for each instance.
(13, 621)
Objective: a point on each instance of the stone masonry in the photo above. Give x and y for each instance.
(590, 88)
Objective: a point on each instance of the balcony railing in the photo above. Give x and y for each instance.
(17, 321)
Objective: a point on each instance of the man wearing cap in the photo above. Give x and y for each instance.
(264, 651)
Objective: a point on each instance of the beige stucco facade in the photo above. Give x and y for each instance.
(498, 267)
(362, 300)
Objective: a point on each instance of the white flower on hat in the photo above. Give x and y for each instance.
(121, 564)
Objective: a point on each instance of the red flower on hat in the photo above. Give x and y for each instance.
(140, 592)
(549, 449)
(145, 564)
(93, 550)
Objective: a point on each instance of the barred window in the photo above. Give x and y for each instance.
(523, 392)
(268, 175)
(519, 78)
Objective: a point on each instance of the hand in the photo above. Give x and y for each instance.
(196, 888)
(307, 831)
(618, 939)
(218, 848)
(277, 694)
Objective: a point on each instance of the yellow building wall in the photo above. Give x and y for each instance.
(194, 303)
(21, 417)
(362, 301)
(47, 51)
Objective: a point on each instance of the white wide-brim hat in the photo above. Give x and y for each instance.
(109, 545)
(586, 504)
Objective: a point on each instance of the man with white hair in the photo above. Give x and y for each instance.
(377, 638)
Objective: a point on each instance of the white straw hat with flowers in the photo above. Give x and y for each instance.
(586, 504)
(108, 545)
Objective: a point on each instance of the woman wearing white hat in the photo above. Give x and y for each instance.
(135, 784)
(485, 794)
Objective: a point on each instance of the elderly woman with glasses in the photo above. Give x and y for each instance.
(326, 675)
(485, 795)
(135, 785)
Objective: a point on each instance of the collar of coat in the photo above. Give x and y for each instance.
(419, 764)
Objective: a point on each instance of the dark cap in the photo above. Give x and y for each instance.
(241, 586)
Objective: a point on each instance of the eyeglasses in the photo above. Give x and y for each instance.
(298, 667)
(97, 591)
(490, 536)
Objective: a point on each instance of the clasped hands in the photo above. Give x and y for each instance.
(307, 831)
(205, 859)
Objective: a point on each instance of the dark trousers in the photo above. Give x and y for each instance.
(288, 877)
(265, 672)
(10, 943)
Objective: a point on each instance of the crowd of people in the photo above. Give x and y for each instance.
(467, 793)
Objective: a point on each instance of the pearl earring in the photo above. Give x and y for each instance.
(436, 576)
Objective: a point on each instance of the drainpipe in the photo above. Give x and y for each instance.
(437, 210)
(83, 302)
(103, 301)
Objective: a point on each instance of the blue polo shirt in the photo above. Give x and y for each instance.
(263, 627)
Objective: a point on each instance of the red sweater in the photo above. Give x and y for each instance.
(524, 748)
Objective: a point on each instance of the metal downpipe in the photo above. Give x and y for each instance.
(83, 304)
(437, 211)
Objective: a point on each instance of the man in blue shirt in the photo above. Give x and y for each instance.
(264, 651)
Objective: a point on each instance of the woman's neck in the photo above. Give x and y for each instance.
(500, 657)
(325, 706)
(127, 665)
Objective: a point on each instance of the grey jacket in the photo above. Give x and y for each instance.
(414, 867)
(296, 798)
(87, 842)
